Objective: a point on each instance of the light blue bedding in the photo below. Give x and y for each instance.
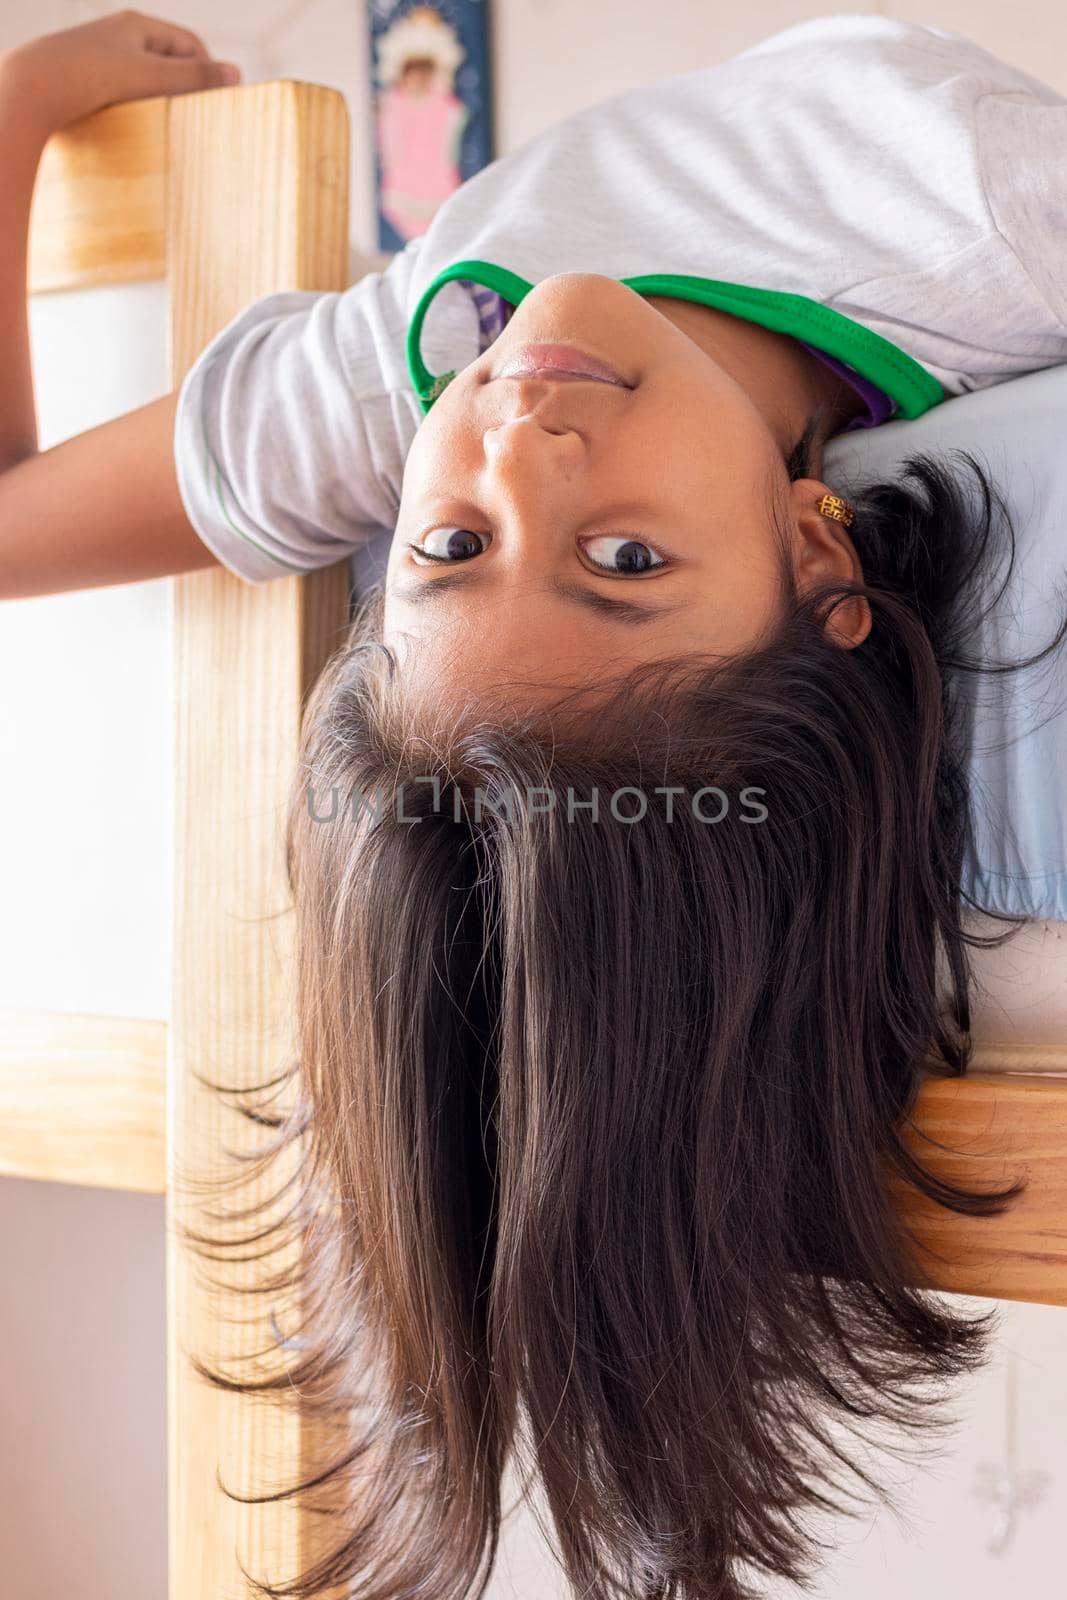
(1018, 758)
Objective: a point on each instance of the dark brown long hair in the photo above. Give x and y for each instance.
(595, 1113)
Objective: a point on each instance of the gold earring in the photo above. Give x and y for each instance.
(832, 505)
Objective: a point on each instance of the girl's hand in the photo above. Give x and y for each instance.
(62, 76)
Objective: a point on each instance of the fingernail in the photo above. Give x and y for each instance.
(230, 72)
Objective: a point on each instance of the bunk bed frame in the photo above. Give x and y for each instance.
(228, 195)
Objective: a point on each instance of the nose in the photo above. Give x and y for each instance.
(528, 459)
(530, 484)
(530, 437)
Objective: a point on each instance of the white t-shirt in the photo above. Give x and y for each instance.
(888, 192)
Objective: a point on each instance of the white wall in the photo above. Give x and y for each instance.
(83, 1465)
(81, 1274)
(85, 831)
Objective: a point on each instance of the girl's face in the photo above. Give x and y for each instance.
(583, 526)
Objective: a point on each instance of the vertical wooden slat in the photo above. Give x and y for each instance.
(257, 201)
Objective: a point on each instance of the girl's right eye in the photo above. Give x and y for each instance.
(453, 544)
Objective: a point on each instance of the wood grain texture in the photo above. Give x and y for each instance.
(82, 1099)
(993, 1130)
(99, 205)
(257, 188)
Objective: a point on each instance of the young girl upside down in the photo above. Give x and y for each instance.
(623, 853)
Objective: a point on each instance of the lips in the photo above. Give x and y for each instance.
(559, 361)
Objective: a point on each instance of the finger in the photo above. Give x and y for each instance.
(186, 74)
(167, 39)
(177, 43)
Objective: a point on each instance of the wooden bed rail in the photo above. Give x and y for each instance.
(82, 1101)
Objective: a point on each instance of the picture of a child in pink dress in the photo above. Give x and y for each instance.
(420, 120)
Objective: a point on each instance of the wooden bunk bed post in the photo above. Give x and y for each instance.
(257, 202)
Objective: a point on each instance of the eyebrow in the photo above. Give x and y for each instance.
(418, 592)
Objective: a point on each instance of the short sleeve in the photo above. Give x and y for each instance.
(1022, 139)
(293, 425)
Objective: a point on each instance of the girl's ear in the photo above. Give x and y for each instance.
(824, 553)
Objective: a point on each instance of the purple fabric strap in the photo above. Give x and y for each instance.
(494, 311)
(879, 405)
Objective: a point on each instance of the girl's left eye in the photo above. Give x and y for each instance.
(614, 552)
(452, 544)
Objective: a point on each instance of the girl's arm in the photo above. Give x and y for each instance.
(103, 507)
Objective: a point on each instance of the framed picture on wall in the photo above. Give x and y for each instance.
(431, 108)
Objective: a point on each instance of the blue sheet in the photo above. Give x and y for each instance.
(1017, 728)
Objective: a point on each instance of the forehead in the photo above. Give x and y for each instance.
(477, 670)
